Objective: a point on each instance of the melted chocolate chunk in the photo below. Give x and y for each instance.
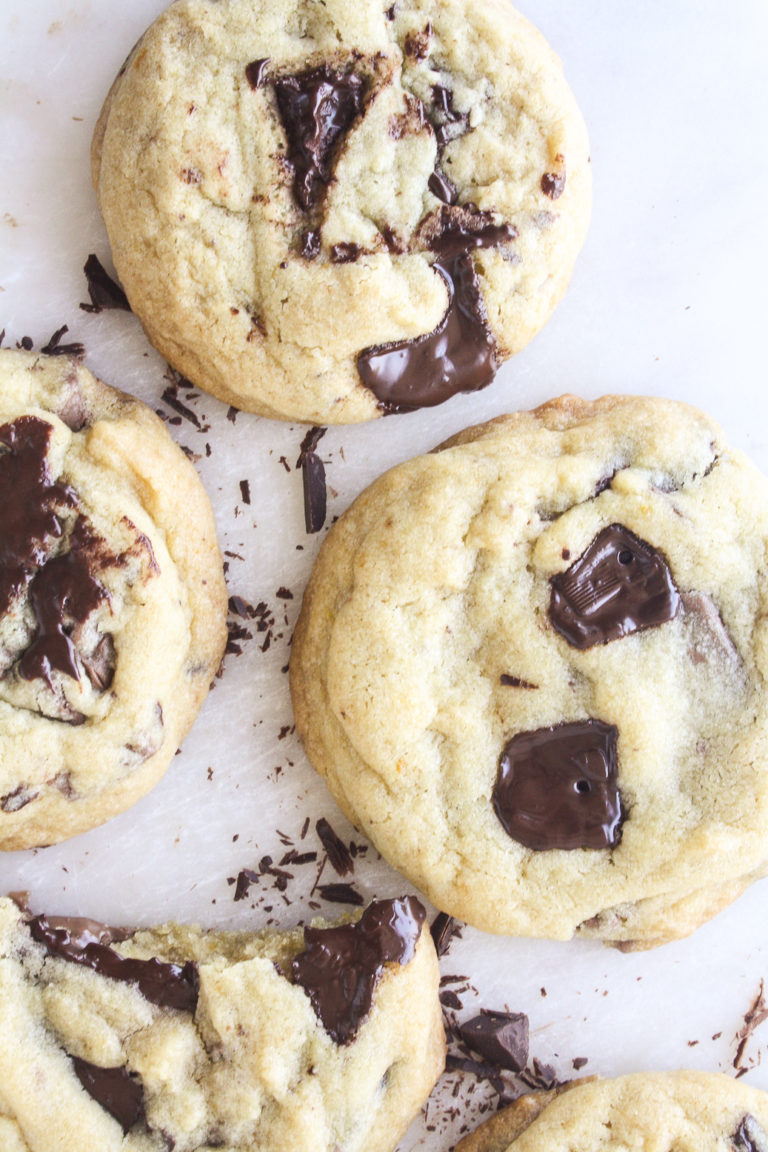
(340, 968)
(750, 1136)
(254, 72)
(452, 230)
(499, 1037)
(30, 505)
(63, 594)
(114, 1089)
(317, 108)
(458, 356)
(448, 122)
(619, 585)
(87, 942)
(556, 787)
(104, 292)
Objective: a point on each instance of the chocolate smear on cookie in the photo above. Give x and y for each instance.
(557, 787)
(317, 109)
(86, 942)
(114, 1089)
(619, 585)
(340, 967)
(460, 354)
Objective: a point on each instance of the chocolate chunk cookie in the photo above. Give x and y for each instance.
(112, 599)
(531, 667)
(331, 211)
(666, 1111)
(322, 1038)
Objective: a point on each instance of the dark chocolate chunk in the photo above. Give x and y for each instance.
(341, 966)
(345, 253)
(119, 1093)
(451, 230)
(750, 1136)
(553, 184)
(254, 72)
(86, 942)
(443, 929)
(515, 681)
(18, 799)
(317, 109)
(315, 495)
(458, 356)
(340, 894)
(619, 585)
(102, 289)
(441, 187)
(448, 122)
(557, 787)
(499, 1037)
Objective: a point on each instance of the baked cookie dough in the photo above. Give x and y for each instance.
(531, 668)
(322, 1038)
(665, 1111)
(112, 599)
(326, 210)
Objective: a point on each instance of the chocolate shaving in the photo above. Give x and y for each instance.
(54, 347)
(755, 1016)
(105, 293)
(338, 853)
(315, 492)
(340, 894)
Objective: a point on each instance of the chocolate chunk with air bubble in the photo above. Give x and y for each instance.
(557, 787)
(619, 585)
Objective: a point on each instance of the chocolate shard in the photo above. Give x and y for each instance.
(338, 853)
(443, 929)
(104, 292)
(557, 787)
(441, 187)
(315, 493)
(340, 967)
(87, 942)
(499, 1037)
(317, 109)
(750, 1136)
(618, 586)
(114, 1089)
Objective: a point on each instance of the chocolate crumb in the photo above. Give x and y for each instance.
(579, 1062)
(245, 491)
(232, 413)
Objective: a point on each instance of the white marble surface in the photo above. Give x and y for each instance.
(668, 298)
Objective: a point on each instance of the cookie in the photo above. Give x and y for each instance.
(531, 668)
(326, 210)
(112, 599)
(666, 1111)
(321, 1038)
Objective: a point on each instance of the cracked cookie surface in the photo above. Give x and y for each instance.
(173, 1037)
(530, 666)
(328, 211)
(666, 1111)
(112, 599)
